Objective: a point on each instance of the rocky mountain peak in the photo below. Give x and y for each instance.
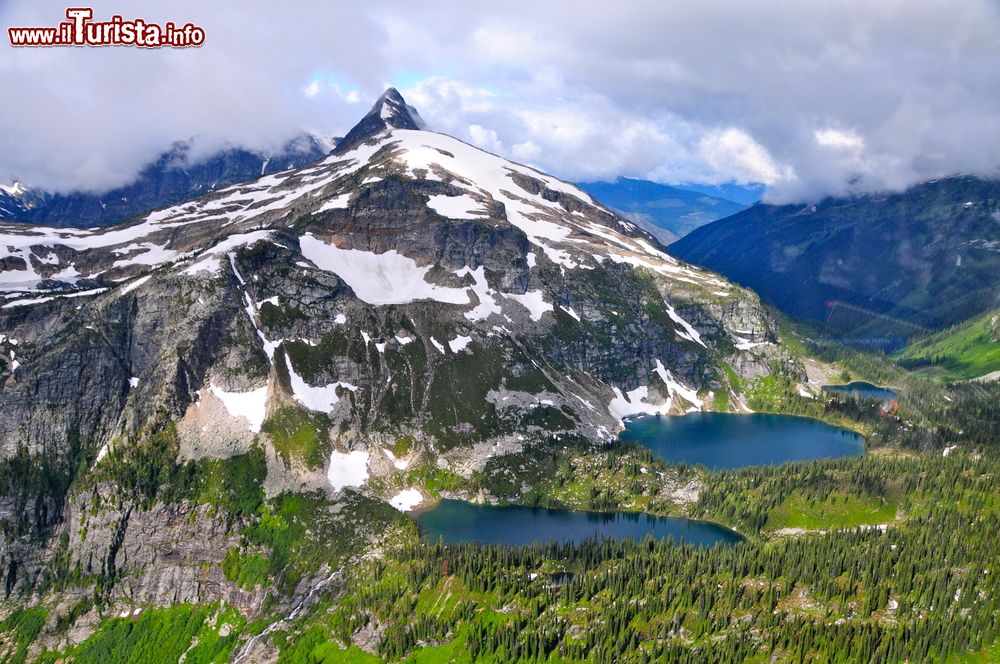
(390, 111)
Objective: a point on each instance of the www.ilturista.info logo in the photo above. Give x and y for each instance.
(80, 30)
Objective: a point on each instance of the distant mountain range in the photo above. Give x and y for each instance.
(744, 194)
(667, 212)
(900, 264)
(173, 177)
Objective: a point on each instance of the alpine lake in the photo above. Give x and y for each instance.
(718, 441)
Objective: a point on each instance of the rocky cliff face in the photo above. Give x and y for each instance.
(408, 301)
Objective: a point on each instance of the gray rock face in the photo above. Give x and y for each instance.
(167, 554)
(408, 285)
(389, 112)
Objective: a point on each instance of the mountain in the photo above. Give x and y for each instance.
(173, 177)
(898, 264)
(219, 400)
(674, 210)
(744, 194)
(16, 200)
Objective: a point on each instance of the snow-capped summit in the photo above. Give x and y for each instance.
(16, 200)
(387, 187)
(390, 111)
(14, 188)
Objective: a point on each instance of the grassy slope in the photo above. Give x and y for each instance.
(837, 510)
(968, 350)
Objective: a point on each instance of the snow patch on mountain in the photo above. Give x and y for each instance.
(400, 464)
(533, 301)
(387, 278)
(320, 399)
(572, 313)
(407, 499)
(347, 470)
(675, 388)
(635, 402)
(48, 298)
(248, 405)
(336, 203)
(487, 302)
(689, 332)
(131, 286)
(638, 401)
(457, 207)
(210, 260)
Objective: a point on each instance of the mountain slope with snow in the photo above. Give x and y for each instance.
(174, 176)
(406, 287)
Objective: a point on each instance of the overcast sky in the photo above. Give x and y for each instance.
(811, 98)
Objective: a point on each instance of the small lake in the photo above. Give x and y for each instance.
(723, 441)
(862, 389)
(457, 521)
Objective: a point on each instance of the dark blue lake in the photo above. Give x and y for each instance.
(862, 389)
(722, 440)
(513, 525)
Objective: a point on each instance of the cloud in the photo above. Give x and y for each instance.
(839, 139)
(486, 139)
(813, 97)
(736, 153)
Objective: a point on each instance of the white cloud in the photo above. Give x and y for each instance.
(839, 139)
(813, 97)
(486, 139)
(444, 95)
(735, 152)
(526, 152)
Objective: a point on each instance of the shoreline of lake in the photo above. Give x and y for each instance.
(863, 388)
(727, 441)
(514, 521)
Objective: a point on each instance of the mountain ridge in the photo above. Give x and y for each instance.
(895, 264)
(390, 111)
(170, 178)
